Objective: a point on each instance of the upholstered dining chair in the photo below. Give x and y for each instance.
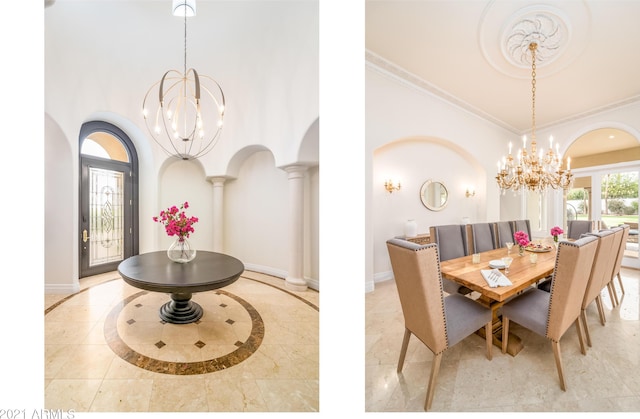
(623, 244)
(438, 321)
(616, 263)
(602, 266)
(576, 228)
(551, 314)
(452, 243)
(522, 225)
(504, 233)
(483, 237)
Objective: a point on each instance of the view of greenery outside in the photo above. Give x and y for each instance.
(620, 197)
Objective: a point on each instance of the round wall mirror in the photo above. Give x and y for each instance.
(434, 195)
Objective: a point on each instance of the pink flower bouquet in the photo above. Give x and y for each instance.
(176, 222)
(555, 232)
(522, 238)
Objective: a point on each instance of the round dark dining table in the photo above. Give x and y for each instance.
(154, 271)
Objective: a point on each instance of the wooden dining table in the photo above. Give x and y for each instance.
(522, 274)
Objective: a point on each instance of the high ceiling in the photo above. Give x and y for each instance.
(464, 51)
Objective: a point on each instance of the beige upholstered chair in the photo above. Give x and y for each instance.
(620, 255)
(551, 314)
(598, 278)
(438, 321)
(616, 263)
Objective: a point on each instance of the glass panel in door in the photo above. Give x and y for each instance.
(106, 219)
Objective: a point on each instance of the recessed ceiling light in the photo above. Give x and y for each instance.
(611, 137)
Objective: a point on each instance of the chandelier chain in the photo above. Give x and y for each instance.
(535, 171)
(533, 48)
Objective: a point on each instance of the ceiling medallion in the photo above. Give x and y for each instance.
(507, 28)
(548, 30)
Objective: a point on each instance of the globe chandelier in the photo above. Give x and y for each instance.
(534, 170)
(184, 111)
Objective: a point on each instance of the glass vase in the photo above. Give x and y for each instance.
(181, 251)
(520, 250)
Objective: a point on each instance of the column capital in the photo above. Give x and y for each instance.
(219, 180)
(295, 170)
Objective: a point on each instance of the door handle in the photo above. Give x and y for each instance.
(84, 236)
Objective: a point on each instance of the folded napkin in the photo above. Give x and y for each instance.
(495, 278)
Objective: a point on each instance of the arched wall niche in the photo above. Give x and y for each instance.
(185, 181)
(412, 161)
(60, 249)
(309, 149)
(256, 211)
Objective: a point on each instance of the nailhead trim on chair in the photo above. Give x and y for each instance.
(553, 283)
(424, 247)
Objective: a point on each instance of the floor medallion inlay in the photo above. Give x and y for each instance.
(217, 343)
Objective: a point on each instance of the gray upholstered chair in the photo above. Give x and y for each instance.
(438, 321)
(483, 237)
(504, 233)
(551, 314)
(452, 243)
(576, 228)
(522, 225)
(602, 266)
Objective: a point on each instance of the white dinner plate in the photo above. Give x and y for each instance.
(496, 264)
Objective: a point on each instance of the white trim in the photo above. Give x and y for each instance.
(279, 273)
(61, 288)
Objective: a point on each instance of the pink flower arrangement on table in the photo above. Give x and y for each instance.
(176, 222)
(555, 232)
(521, 238)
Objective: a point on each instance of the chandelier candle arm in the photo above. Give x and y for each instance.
(535, 170)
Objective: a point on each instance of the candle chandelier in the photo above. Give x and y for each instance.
(184, 111)
(534, 170)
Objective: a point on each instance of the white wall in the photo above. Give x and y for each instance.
(60, 213)
(255, 213)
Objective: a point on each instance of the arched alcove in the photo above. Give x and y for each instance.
(412, 161)
(60, 271)
(180, 181)
(256, 211)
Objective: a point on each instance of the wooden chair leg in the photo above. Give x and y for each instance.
(505, 334)
(612, 294)
(435, 367)
(488, 333)
(603, 319)
(580, 337)
(558, 356)
(403, 350)
(583, 314)
(620, 282)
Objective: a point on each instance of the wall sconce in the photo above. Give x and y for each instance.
(470, 192)
(390, 187)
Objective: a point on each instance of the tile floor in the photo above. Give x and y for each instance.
(255, 349)
(606, 379)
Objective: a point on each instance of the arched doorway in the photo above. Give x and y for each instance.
(108, 198)
(606, 187)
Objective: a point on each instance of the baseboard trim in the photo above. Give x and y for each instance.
(61, 288)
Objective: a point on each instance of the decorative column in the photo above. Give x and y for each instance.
(218, 213)
(295, 279)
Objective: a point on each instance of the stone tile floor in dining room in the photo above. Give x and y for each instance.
(90, 336)
(606, 379)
